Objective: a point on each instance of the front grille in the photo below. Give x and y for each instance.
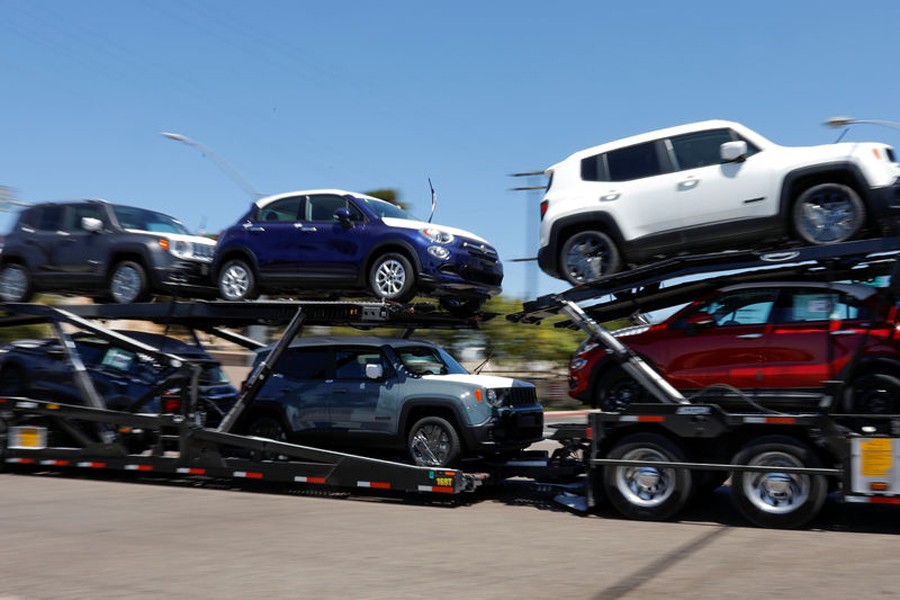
(481, 251)
(517, 396)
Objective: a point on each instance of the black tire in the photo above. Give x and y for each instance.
(773, 498)
(128, 283)
(461, 307)
(15, 283)
(615, 390)
(433, 442)
(13, 381)
(645, 492)
(237, 281)
(588, 256)
(873, 393)
(392, 277)
(269, 428)
(828, 213)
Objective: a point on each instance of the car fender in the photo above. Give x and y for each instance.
(584, 220)
(379, 248)
(850, 174)
(411, 404)
(238, 251)
(870, 363)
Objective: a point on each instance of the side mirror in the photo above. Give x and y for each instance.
(700, 319)
(92, 224)
(733, 151)
(343, 216)
(374, 371)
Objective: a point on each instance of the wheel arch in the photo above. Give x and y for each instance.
(846, 173)
(565, 227)
(419, 408)
(239, 252)
(385, 247)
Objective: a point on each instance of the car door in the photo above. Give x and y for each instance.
(331, 250)
(815, 332)
(299, 389)
(354, 399)
(709, 191)
(723, 342)
(272, 239)
(80, 255)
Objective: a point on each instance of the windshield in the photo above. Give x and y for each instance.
(141, 219)
(426, 360)
(383, 208)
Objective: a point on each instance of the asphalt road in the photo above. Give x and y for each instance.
(77, 537)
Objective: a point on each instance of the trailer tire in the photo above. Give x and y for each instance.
(269, 428)
(773, 499)
(433, 442)
(645, 492)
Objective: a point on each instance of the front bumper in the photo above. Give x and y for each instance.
(884, 207)
(508, 429)
(185, 276)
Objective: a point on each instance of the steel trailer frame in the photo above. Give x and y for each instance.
(98, 438)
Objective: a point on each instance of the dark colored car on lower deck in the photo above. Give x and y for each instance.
(123, 378)
(770, 344)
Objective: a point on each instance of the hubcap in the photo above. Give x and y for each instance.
(645, 486)
(235, 282)
(775, 492)
(125, 285)
(829, 216)
(585, 260)
(12, 284)
(390, 277)
(430, 445)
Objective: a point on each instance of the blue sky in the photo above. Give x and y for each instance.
(366, 95)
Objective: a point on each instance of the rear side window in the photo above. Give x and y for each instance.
(801, 306)
(304, 363)
(286, 209)
(51, 218)
(634, 162)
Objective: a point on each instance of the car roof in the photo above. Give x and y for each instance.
(654, 135)
(857, 290)
(269, 199)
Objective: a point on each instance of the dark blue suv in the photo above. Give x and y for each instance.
(327, 242)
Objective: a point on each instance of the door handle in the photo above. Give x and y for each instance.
(305, 228)
(749, 336)
(845, 332)
(688, 184)
(610, 197)
(255, 228)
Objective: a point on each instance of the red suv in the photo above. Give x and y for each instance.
(760, 344)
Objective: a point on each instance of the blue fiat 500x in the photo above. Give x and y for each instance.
(332, 242)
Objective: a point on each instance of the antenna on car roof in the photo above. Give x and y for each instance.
(433, 200)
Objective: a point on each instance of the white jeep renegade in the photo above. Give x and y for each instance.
(708, 186)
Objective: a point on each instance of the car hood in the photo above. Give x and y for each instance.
(412, 224)
(485, 381)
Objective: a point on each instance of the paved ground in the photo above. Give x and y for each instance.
(75, 538)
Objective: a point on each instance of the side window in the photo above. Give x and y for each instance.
(286, 209)
(76, 212)
(321, 208)
(593, 168)
(304, 363)
(635, 162)
(51, 218)
(745, 307)
(816, 305)
(351, 364)
(700, 149)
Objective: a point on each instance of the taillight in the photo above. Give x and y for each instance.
(171, 403)
(544, 205)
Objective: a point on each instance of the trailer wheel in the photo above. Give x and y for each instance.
(646, 492)
(269, 428)
(433, 442)
(774, 498)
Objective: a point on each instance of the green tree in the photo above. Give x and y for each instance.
(388, 195)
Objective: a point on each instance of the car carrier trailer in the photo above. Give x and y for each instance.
(651, 460)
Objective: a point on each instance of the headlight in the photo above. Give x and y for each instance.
(439, 252)
(437, 235)
(492, 398)
(586, 346)
(577, 364)
(178, 248)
